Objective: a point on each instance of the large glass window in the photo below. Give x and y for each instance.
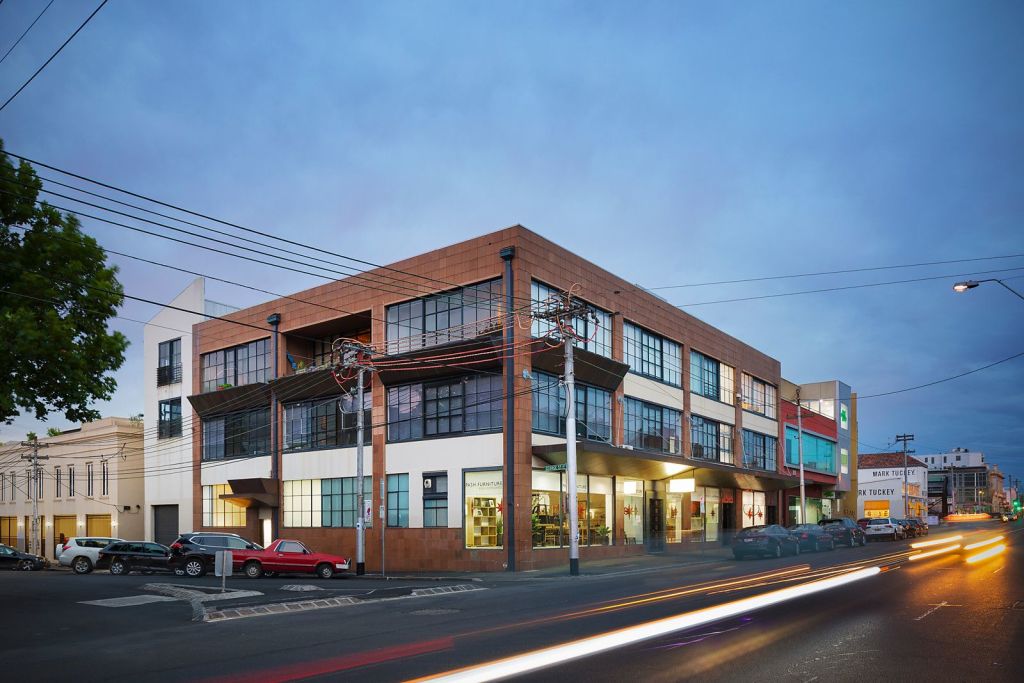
(652, 355)
(593, 409)
(168, 370)
(710, 440)
(326, 423)
(237, 435)
(398, 500)
(482, 493)
(819, 453)
(463, 313)
(302, 503)
(596, 332)
(435, 500)
(340, 501)
(458, 406)
(754, 508)
(652, 427)
(759, 397)
(759, 450)
(711, 378)
(169, 419)
(550, 518)
(218, 512)
(237, 366)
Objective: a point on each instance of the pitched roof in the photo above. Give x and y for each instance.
(886, 461)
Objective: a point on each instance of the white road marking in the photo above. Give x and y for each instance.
(938, 606)
(129, 601)
(999, 570)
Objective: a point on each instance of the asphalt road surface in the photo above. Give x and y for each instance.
(936, 619)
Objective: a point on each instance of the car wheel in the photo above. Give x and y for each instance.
(194, 568)
(324, 570)
(119, 567)
(81, 565)
(24, 565)
(253, 569)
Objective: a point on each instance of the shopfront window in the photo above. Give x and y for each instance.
(815, 510)
(483, 497)
(633, 511)
(754, 508)
(550, 514)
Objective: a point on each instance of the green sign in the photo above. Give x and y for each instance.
(555, 468)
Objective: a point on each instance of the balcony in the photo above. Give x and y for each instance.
(168, 374)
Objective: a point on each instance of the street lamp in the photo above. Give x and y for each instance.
(971, 284)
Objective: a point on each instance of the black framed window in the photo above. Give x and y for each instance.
(168, 369)
(464, 405)
(169, 419)
(652, 427)
(596, 330)
(462, 313)
(593, 409)
(759, 396)
(759, 450)
(652, 355)
(237, 366)
(435, 500)
(237, 435)
(710, 440)
(398, 500)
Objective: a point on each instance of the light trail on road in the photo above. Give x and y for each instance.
(933, 553)
(991, 552)
(982, 544)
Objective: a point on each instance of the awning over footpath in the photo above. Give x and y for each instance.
(250, 492)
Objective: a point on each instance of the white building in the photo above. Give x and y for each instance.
(90, 484)
(167, 353)
(958, 457)
(880, 486)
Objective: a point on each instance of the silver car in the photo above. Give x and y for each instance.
(81, 552)
(885, 527)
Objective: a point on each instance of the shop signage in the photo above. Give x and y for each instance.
(555, 468)
(844, 420)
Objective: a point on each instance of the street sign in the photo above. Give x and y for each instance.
(555, 468)
(222, 563)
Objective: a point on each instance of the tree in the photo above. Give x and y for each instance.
(56, 296)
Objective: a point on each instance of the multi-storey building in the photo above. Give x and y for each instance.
(677, 435)
(829, 453)
(888, 489)
(90, 483)
(960, 481)
(169, 420)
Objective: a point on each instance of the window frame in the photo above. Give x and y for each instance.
(750, 389)
(456, 314)
(432, 500)
(643, 413)
(596, 337)
(719, 433)
(586, 408)
(640, 349)
(395, 499)
(233, 366)
(168, 424)
(419, 404)
(223, 425)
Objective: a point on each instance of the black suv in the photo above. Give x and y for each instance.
(193, 554)
(845, 531)
(121, 557)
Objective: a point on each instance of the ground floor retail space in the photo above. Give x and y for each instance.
(16, 531)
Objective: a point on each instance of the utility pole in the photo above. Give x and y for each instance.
(905, 438)
(34, 488)
(357, 355)
(564, 313)
(800, 452)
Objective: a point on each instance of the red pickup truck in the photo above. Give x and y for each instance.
(285, 556)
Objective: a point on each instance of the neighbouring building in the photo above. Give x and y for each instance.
(90, 484)
(169, 419)
(678, 432)
(829, 453)
(880, 486)
(960, 481)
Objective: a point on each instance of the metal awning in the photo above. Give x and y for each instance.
(231, 399)
(311, 383)
(589, 367)
(596, 457)
(250, 492)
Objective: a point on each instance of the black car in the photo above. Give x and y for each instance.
(193, 554)
(123, 557)
(845, 531)
(771, 540)
(15, 559)
(813, 537)
(919, 527)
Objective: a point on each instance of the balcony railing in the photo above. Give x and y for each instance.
(168, 374)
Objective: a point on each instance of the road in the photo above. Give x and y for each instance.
(939, 618)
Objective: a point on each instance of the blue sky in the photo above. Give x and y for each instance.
(671, 143)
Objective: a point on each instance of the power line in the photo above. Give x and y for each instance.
(945, 379)
(38, 17)
(47, 62)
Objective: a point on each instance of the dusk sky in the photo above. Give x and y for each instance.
(671, 143)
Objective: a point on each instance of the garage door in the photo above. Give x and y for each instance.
(64, 527)
(97, 525)
(165, 524)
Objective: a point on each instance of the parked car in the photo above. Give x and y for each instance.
(285, 556)
(193, 553)
(919, 527)
(887, 527)
(812, 537)
(81, 552)
(845, 531)
(863, 522)
(123, 557)
(771, 540)
(15, 559)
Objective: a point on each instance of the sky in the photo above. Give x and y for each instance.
(673, 143)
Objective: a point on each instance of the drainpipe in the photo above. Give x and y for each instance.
(507, 254)
(274, 319)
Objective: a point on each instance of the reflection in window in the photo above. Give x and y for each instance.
(759, 397)
(652, 427)
(759, 450)
(460, 314)
(710, 440)
(652, 355)
(218, 512)
(483, 509)
(236, 366)
(593, 409)
(596, 332)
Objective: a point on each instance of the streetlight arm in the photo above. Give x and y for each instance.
(1011, 289)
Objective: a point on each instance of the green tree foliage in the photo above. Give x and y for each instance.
(56, 296)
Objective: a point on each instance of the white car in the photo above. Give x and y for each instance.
(81, 552)
(887, 527)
